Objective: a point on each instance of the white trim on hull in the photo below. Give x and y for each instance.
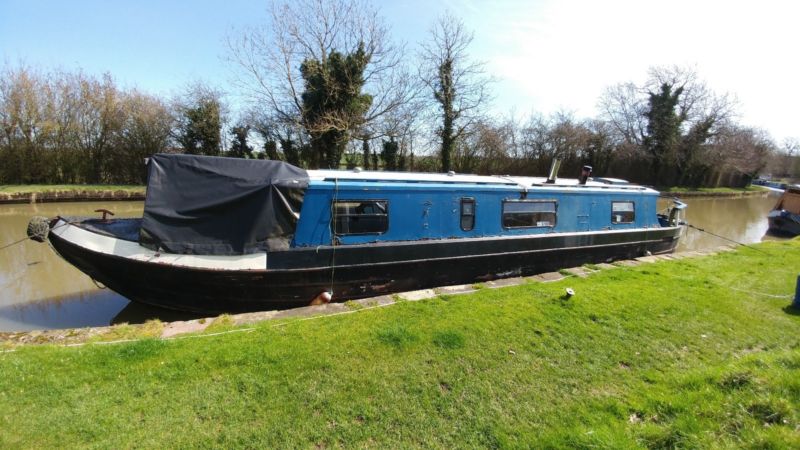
(132, 250)
(241, 283)
(258, 261)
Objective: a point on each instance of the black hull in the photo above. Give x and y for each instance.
(297, 276)
(784, 226)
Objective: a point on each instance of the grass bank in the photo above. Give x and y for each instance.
(699, 352)
(683, 191)
(41, 193)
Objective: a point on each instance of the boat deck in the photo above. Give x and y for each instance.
(125, 229)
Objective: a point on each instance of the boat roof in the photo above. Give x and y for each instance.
(790, 200)
(454, 178)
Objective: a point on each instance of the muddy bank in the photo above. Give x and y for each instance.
(700, 194)
(70, 196)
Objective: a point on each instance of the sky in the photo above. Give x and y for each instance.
(547, 56)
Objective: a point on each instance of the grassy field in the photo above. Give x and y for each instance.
(701, 352)
(41, 188)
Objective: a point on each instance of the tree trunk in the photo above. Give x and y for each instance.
(448, 141)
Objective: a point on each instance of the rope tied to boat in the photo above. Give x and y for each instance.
(38, 230)
(334, 238)
(724, 238)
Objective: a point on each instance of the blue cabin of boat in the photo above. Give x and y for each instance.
(359, 207)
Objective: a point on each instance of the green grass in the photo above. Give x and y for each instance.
(40, 188)
(696, 353)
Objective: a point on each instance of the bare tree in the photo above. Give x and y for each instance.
(670, 120)
(270, 58)
(698, 102)
(791, 149)
(70, 127)
(559, 136)
(458, 84)
(99, 116)
(784, 162)
(622, 105)
(534, 142)
(145, 129)
(485, 150)
(22, 134)
(743, 150)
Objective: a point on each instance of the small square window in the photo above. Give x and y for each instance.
(360, 217)
(623, 212)
(529, 213)
(467, 214)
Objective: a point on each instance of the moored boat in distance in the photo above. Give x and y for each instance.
(231, 235)
(785, 216)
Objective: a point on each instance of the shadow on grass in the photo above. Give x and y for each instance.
(792, 310)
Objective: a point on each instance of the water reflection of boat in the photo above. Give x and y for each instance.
(222, 234)
(785, 216)
(136, 312)
(81, 309)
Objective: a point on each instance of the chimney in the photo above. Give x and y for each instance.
(585, 172)
(554, 171)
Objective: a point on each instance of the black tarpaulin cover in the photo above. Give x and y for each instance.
(207, 205)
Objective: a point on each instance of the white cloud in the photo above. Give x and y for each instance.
(562, 55)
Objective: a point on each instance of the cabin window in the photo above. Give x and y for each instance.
(622, 212)
(467, 214)
(529, 213)
(360, 217)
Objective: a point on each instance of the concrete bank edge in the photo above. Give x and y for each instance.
(178, 329)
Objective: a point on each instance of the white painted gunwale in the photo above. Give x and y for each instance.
(131, 250)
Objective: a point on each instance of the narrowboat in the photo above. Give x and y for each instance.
(232, 235)
(785, 216)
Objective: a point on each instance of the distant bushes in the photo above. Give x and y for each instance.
(70, 128)
(61, 127)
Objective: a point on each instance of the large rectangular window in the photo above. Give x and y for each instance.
(529, 213)
(467, 214)
(360, 217)
(623, 212)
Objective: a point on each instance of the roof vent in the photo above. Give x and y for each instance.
(451, 173)
(357, 170)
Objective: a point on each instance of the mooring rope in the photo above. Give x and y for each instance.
(14, 243)
(11, 244)
(333, 231)
(171, 338)
(760, 293)
(723, 237)
(19, 275)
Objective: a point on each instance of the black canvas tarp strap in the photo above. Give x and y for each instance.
(206, 205)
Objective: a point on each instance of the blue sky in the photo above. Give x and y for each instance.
(547, 55)
(157, 46)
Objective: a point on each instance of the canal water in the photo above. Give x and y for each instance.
(740, 219)
(38, 290)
